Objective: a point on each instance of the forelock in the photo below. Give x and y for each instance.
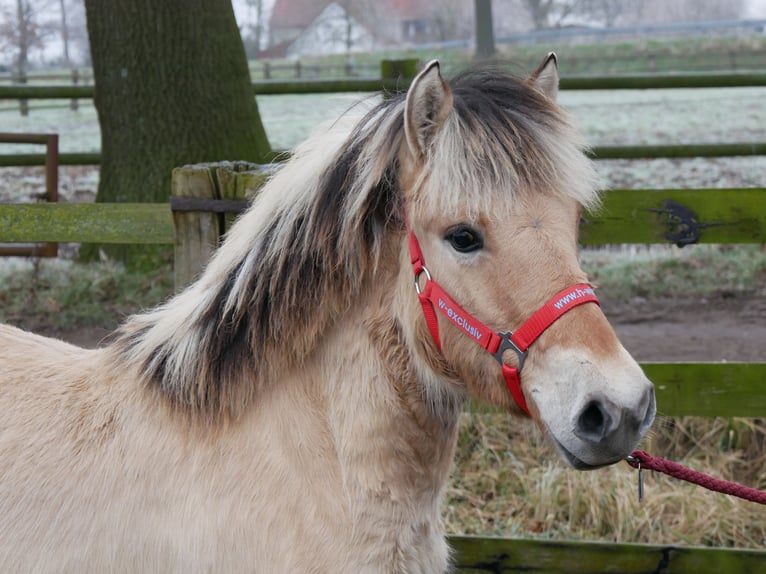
(505, 135)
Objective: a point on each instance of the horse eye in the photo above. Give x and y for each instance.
(464, 239)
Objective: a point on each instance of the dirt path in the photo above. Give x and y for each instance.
(693, 329)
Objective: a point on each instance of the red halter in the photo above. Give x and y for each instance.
(433, 297)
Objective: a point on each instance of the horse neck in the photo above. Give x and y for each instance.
(389, 431)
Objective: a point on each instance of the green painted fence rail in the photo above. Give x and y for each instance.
(712, 389)
(709, 389)
(598, 153)
(626, 216)
(678, 151)
(475, 555)
(651, 216)
(86, 223)
(375, 84)
(664, 81)
(33, 159)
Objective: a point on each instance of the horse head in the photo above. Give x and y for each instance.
(494, 180)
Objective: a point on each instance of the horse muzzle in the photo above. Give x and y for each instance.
(594, 417)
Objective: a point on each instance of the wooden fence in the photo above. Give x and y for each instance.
(391, 78)
(649, 61)
(628, 216)
(74, 77)
(51, 143)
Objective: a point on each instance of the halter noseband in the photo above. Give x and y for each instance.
(433, 297)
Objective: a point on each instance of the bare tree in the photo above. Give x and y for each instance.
(77, 32)
(511, 17)
(606, 11)
(29, 27)
(253, 31)
(539, 11)
(375, 15)
(550, 13)
(21, 33)
(661, 11)
(634, 12)
(453, 19)
(65, 33)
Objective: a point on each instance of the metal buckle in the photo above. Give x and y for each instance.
(423, 269)
(637, 461)
(507, 344)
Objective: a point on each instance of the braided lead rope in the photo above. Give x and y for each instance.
(644, 461)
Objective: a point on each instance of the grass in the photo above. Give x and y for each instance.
(508, 482)
(669, 272)
(61, 295)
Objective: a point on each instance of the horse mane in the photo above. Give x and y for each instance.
(316, 233)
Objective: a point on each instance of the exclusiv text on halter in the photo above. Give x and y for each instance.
(460, 321)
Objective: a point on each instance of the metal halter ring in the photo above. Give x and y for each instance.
(423, 269)
(507, 344)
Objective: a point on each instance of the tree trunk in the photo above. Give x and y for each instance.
(65, 33)
(172, 87)
(485, 35)
(23, 13)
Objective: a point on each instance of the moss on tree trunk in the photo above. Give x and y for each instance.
(172, 88)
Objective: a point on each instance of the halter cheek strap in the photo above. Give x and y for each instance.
(433, 298)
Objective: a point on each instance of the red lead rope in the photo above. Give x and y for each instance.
(433, 298)
(643, 460)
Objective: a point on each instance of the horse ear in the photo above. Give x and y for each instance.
(546, 77)
(429, 102)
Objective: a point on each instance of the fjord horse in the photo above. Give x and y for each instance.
(296, 409)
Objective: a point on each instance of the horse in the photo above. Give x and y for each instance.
(296, 408)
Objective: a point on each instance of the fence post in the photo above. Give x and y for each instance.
(51, 184)
(21, 78)
(402, 71)
(199, 228)
(74, 104)
(197, 232)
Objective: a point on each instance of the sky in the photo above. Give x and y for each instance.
(757, 9)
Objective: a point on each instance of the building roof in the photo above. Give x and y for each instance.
(301, 13)
(296, 13)
(411, 9)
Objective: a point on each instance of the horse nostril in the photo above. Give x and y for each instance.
(649, 414)
(594, 423)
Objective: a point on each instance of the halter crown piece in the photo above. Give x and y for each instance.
(432, 298)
